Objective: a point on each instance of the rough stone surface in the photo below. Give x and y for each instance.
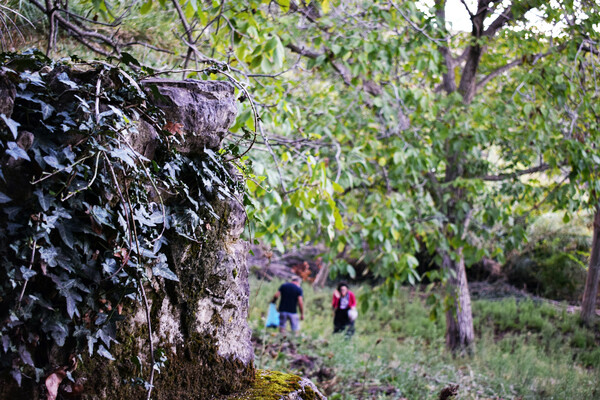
(202, 111)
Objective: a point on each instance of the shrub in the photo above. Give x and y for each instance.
(554, 264)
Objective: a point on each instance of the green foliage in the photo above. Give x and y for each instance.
(364, 149)
(554, 263)
(526, 348)
(84, 221)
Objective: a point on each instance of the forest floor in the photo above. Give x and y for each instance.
(526, 348)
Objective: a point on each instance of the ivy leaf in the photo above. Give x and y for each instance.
(33, 78)
(66, 234)
(159, 243)
(72, 299)
(49, 254)
(16, 152)
(16, 374)
(91, 341)
(25, 356)
(58, 332)
(46, 110)
(100, 319)
(107, 334)
(105, 353)
(27, 273)
(45, 200)
(64, 78)
(102, 215)
(161, 268)
(13, 228)
(124, 155)
(109, 266)
(84, 104)
(11, 124)
(52, 161)
(144, 218)
(4, 198)
(5, 343)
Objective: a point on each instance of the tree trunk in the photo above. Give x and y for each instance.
(588, 305)
(459, 319)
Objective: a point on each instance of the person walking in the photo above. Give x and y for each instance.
(291, 300)
(344, 306)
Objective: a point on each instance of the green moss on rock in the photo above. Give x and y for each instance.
(273, 385)
(269, 385)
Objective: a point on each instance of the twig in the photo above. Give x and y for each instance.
(61, 170)
(150, 382)
(257, 126)
(127, 214)
(98, 82)
(212, 54)
(415, 27)
(29, 269)
(51, 27)
(17, 13)
(71, 194)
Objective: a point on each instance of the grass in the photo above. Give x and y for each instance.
(524, 350)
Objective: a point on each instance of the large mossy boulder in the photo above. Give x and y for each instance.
(114, 189)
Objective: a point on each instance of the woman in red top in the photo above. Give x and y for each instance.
(343, 301)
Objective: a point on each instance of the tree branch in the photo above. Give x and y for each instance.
(498, 23)
(515, 174)
(498, 71)
(303, 51)
(467, 8)
(520, 61)
(80, 34)
(435, 188)
(415, 27)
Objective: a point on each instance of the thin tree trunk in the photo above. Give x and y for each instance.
(459, 319)
(321, 277)
(588, 305)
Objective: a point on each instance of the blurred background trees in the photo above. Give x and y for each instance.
(377, 128)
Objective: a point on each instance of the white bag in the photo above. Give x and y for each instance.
(352, 314)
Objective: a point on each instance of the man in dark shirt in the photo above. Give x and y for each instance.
(291, 297)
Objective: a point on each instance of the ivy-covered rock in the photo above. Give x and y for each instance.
(121, 269)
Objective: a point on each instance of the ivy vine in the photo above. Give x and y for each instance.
(84, 216)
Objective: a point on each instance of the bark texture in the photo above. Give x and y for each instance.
(590, 294)
(459, 318)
